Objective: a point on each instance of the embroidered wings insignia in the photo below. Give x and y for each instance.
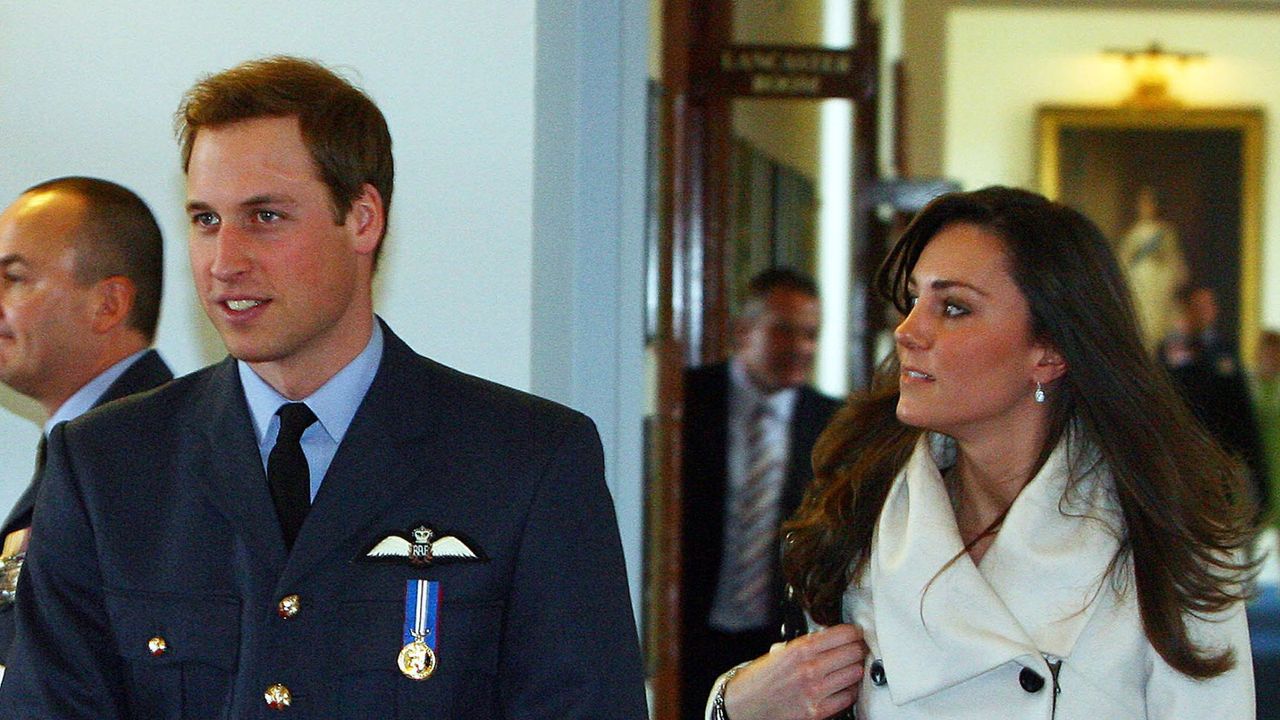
(422, 547)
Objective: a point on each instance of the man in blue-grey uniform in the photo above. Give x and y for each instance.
(325, 524)
(81, 270)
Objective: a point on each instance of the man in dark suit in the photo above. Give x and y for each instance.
(325, 524)
(749, 429)
(1206, 367)
(81, 264)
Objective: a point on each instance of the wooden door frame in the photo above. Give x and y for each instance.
(693, 324)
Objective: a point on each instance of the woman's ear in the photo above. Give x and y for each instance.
(1050, 366)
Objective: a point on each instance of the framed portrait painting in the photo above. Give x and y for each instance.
(1178, 191)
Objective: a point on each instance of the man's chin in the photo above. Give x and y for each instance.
(792, 379)
(10, 378)
(250, 354)
(780, 384)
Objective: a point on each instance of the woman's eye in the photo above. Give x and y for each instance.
(953, 310)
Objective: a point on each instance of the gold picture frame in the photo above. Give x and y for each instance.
(1205, 164)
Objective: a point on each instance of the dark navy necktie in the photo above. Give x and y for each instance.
(287, 473)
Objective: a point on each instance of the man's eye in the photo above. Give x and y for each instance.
(204, 219)
(266, 216)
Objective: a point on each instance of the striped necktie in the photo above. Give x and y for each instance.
(753, 542)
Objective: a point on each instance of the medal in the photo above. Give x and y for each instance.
(417, 660)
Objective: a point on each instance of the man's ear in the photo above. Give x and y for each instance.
(1051, 365)
(112, 299)
(367, 218)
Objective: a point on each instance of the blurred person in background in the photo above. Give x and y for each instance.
(1206, 367)
(1266, 393)
(749, 428)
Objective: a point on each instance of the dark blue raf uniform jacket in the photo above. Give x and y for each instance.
(147, 372)
(155, 521)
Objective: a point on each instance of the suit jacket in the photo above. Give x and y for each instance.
(1216, 388)
(147, 372)
(705, 478)
(176, 539)
(948, 638)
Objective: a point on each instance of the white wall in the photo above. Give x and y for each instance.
(1004, 61)
(588, 226)
(90, 89)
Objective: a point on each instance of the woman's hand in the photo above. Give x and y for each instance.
(812, 677)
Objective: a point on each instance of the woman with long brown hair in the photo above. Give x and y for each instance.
(1021, 519)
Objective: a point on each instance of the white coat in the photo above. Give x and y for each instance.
(1040, 613)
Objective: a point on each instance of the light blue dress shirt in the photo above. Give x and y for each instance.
(83, 400)
(334, 404)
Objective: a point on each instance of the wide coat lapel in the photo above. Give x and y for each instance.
(225, 462)
(390, 447)
(937, 625)
(1051, 559)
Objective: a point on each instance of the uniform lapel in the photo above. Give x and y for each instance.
(936, 628)
(20, 516)
(225, 461)
(145, 373)
(388, 450)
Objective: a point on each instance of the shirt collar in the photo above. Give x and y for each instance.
(334, 403)
(746, 395)
(83, 400)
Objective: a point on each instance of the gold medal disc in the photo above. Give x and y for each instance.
(417, 661)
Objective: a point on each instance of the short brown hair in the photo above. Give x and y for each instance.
(117, 235)
(342, 128)
(766, 281)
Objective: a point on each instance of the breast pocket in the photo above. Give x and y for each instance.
(180, 652)
(463, 685)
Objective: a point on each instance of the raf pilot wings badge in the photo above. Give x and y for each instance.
(422, 547)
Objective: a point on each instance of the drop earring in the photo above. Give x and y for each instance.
(1039, 393)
